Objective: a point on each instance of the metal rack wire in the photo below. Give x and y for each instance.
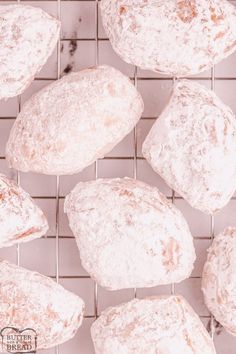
(96, 163)
(133, 158)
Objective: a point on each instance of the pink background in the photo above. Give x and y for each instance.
(78, 23)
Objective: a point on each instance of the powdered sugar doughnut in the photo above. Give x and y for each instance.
(219, 279)
(165, 324)
(174, 37)
(192, 145)
(31, 300)
(20, 219)
(28, 36)
(129, 235)
(71, 123)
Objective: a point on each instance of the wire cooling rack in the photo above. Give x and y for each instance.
(83, 43)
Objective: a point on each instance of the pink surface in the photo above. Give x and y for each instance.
(40, 255)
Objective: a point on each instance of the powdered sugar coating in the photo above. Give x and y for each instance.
(28, 36)
(192, 146)
(31, 300)
(20, 219)
(79, 119)
(219, 279)
(129, 234)
(165, 324)
(174, 37)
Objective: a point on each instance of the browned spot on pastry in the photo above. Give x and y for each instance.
(123, 10)
(126, 193)
(222, 296)
(56, 146)
(201, 67)
(154, 206)
(16, 33)
(226, 129)
(187, 10)
(170, 254)
(32, 230)
(28, 152)
(110, 121)
(66, 324)
(216, 17)
(129, 220)
(178, 300)
(13, 191)
(130, 328)
(229, 47)
(1, 196)
(216, 195)
(211, 131)
(51, 314)
(220, 35)
(188, 340)
(111, 89)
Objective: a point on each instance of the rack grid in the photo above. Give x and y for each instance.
(56, 255)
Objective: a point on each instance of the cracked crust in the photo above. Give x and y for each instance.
(129, 235)
(25, 32)
(165, 324)
(80, 118)
(31, 300)
(177, 38)
(20, 219)
(219, 280)
(192, 146)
